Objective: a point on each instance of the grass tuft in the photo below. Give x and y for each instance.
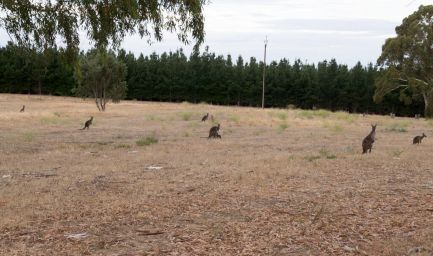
(234, 118)
(149, 140)
(186, 116)
(310, 114)
(122, 146)
(398, 127)
(28, 136)
(283, 126)
(333, 126)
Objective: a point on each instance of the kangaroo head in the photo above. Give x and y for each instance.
(91, 118)
(373, 127)
(423, 135)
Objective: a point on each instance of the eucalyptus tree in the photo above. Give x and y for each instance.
(101, 76)
(43, 23)
(407, 61)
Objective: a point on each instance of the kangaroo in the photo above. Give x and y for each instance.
(205, 117)
(213, 132)
(23, 108)
(418, 139)
(392, 115)
(368, 141)
(417, 116)
(88, 123)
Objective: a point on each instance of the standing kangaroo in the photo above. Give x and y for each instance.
(418, 139)
(88, 123)
(368, 141)
(213, 132)
(205, 117)
(23, 108)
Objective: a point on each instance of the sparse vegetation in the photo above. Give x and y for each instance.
(334, 127)
(326, 154)
(397, 152)
(311, 158)
(278, 114)
(310, 114)
(28, 136)
(341, 115)
(122, 145)
(234, 118)
(116, 171)
(283, 126)
(186, 116)
(398, 127)
(149, 140)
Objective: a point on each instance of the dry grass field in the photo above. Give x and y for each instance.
(143, 181)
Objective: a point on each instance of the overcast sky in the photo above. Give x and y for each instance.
(312, 30)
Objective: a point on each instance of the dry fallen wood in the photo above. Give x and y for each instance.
(148, 232)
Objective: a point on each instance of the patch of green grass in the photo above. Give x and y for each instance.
(234, 118)
(278, 114)
(57, 114)
(349, 150)
(51, 120)
(149, 140)
(186, 134)
(28, 136)
(326, 154)
(291, 157)
(398, 126)
(103, 143)
(323, 153)
(150, 118)
(283, 126)
(312, 158)
(259, 132)
(310, 114)
(342, 115)
(186, 116)
(333, 126)
(122, 146)
(397, 152)
(153, 118)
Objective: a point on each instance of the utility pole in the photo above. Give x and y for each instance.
(264, 73)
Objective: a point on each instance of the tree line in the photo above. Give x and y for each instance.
(211, 78)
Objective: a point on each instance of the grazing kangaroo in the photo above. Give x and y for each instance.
(23, 108)
(88, 123)
(213, 132)
(205, 117)
(418, 139)
(368, 141)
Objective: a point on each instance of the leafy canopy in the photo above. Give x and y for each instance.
(408, 60)
(101, 76)
(42, 23)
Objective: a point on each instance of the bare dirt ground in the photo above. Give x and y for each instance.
(279, 182)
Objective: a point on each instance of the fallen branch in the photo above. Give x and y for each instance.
(148, 233)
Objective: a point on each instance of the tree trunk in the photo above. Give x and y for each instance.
(97, 103)
(428, 108)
